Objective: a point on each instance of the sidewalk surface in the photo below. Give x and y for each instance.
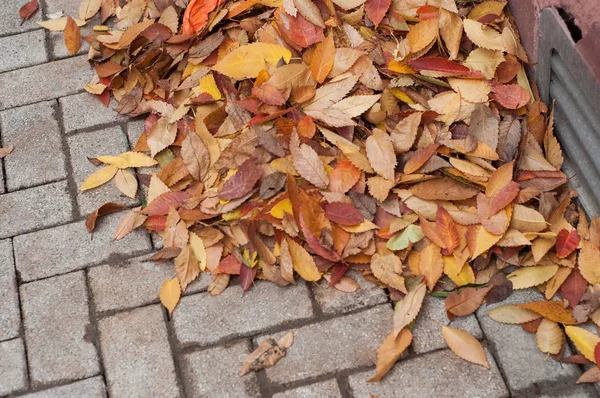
(79, 313)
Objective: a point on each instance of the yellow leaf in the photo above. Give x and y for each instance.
(532, 276)
(389, 351)
(422, 34)
(126, 183)
(282, 207)
(482, 241)
(208, 85)
(303, 262)
(247, 61)
(549, 337)
(322, 60)
(483, 36)
(512, 314)
(400, 67)
(199, 250)
(401, 96)
(462, 275)
(486, 8)
(465, 346)
(99, 177)
(588, 262)
(364, 226)
(471, 90)
(584, 341)
(170, 292)
(128, 159)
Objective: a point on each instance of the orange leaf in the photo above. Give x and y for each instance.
(29, 9)
(446, 230)
(72, 36)
(389, 351)
(552, 310)
(322, 59)
(419, 158)
(196, 15)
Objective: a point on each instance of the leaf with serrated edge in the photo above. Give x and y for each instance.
(408, 309)
(512, 314)
(549, 337)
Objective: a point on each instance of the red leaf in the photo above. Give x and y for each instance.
(268, 94)
(376, 9)
(439, 65)
(446, 230)
(29, 9)
(510, 96)
(503, 198)
(107, 208)
(229, 265)
(297, 30)
(597, 353)
(155, 223)
(247, 275)
(337, 271)
(343, 213)
(242, 182)
(196, 15)
(314, 243)
(428, 12)
(566, 242)
(573, 288)
(160, 205)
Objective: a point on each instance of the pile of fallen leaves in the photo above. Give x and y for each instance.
(303, 138)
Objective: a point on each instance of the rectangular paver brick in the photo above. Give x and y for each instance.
(10, 23)
(56, 320)
(22, 50)
(43, 82)
(13, 369)
(214, 373)
(437, 374)
(134, 131)
(84, 110)
(334, 301)
(135, 282)
(137, 356)
(70, 247)
(10, 320)
(38, 155)
(204, 319)
(332, 346)
(427, 333)
(324, 389)
(88, 388)
(34, 208)
(110, 141)
(517, 353)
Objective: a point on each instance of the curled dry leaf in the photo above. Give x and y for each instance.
(267, 354)
(107, 208)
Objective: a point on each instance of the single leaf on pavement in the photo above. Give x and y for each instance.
(389, 351)
(512, 314)
(583, 340)
(169, 295)
(107, 208)
(29, 9)
(72, 36)
(267, 354)
(465, 346)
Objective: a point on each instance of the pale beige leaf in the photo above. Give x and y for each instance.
(89, 8)
(59, 24)
(332, 117)
(356, 105)
(343, 60)
(485, 61)
(330, 93)
(308, 163)
(195, 155)
(408, 309)
(483, 36)
(471, 90)
(128, 223)
(589, 256)
(526, 219)
(310, 11)
(186, 266)
(549, 337)
(349, 4)
(218, 284)
(385, 268)
(405, 132)
(170, 19)
(126, 182)
(99, 177)
(465, 346)
(381, 155)
(379, 187)
(512, 314)
(532, 276)
(156, 188)
(169, 295)
(451, 30)
(161, 135)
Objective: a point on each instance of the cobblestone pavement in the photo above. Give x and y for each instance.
(79, 313)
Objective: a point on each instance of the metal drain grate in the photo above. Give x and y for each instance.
(562, 75)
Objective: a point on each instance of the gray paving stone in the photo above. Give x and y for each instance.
(43, 82)
(517, 353)
(132, 283)
(57, 41)
(84, 110)
(10, 320)
(34, 208)
(569, 391)
(10, 22)
(334, 301)
(205, 319)
(70, 247)
(137, 356)
(88, 388)
(110, 141)
(427, 334)
(25, 49)
(56, 320)
(437, 374)
(134, 131)
(332, 346)
(38, 155)
(13, 369)
(325, 389)
(214, 373)
(2, 190)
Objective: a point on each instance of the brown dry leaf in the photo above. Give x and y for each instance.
(431, 265)
(389, 351)
(381, 155)
(404, 134)
(444, 188)
(422, 35)
(195, 156)
(308, 163)
(107, 208)
(387, 268)
(72, 36)
(465, 301)
(186, 266)
(161, 135)
(5, 151)
(408, 309)
(218, 284)
(465, 346)
(267, 354)
(512, 314)
(322, 61)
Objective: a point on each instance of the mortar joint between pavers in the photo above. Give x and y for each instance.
(95, 332)
(48, 386)
(2, 168)
(175, 354)
(47, 44)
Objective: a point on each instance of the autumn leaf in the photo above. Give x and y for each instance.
(532, 276)
(343, 213)
(72, 36)
(388, 270)
(583, 340)
(407, 310)
(380, 153)
(196, 13)
(89, 8)
(170, 292)
(247, 61)
(431, 265)
(549, 337)
(303, 262)
(308, 163)
(322, 60)
(512, 314)
(552, 310)
(99, 177)
(376, 10)
(106, 208)
(267, 354)
(566, 242)
(128, 159)
(465, 346)
(389, 351)
(186, 266)
(242, 182)
(29, 9)
(126, 183)
(465, 301)
(195, 155)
